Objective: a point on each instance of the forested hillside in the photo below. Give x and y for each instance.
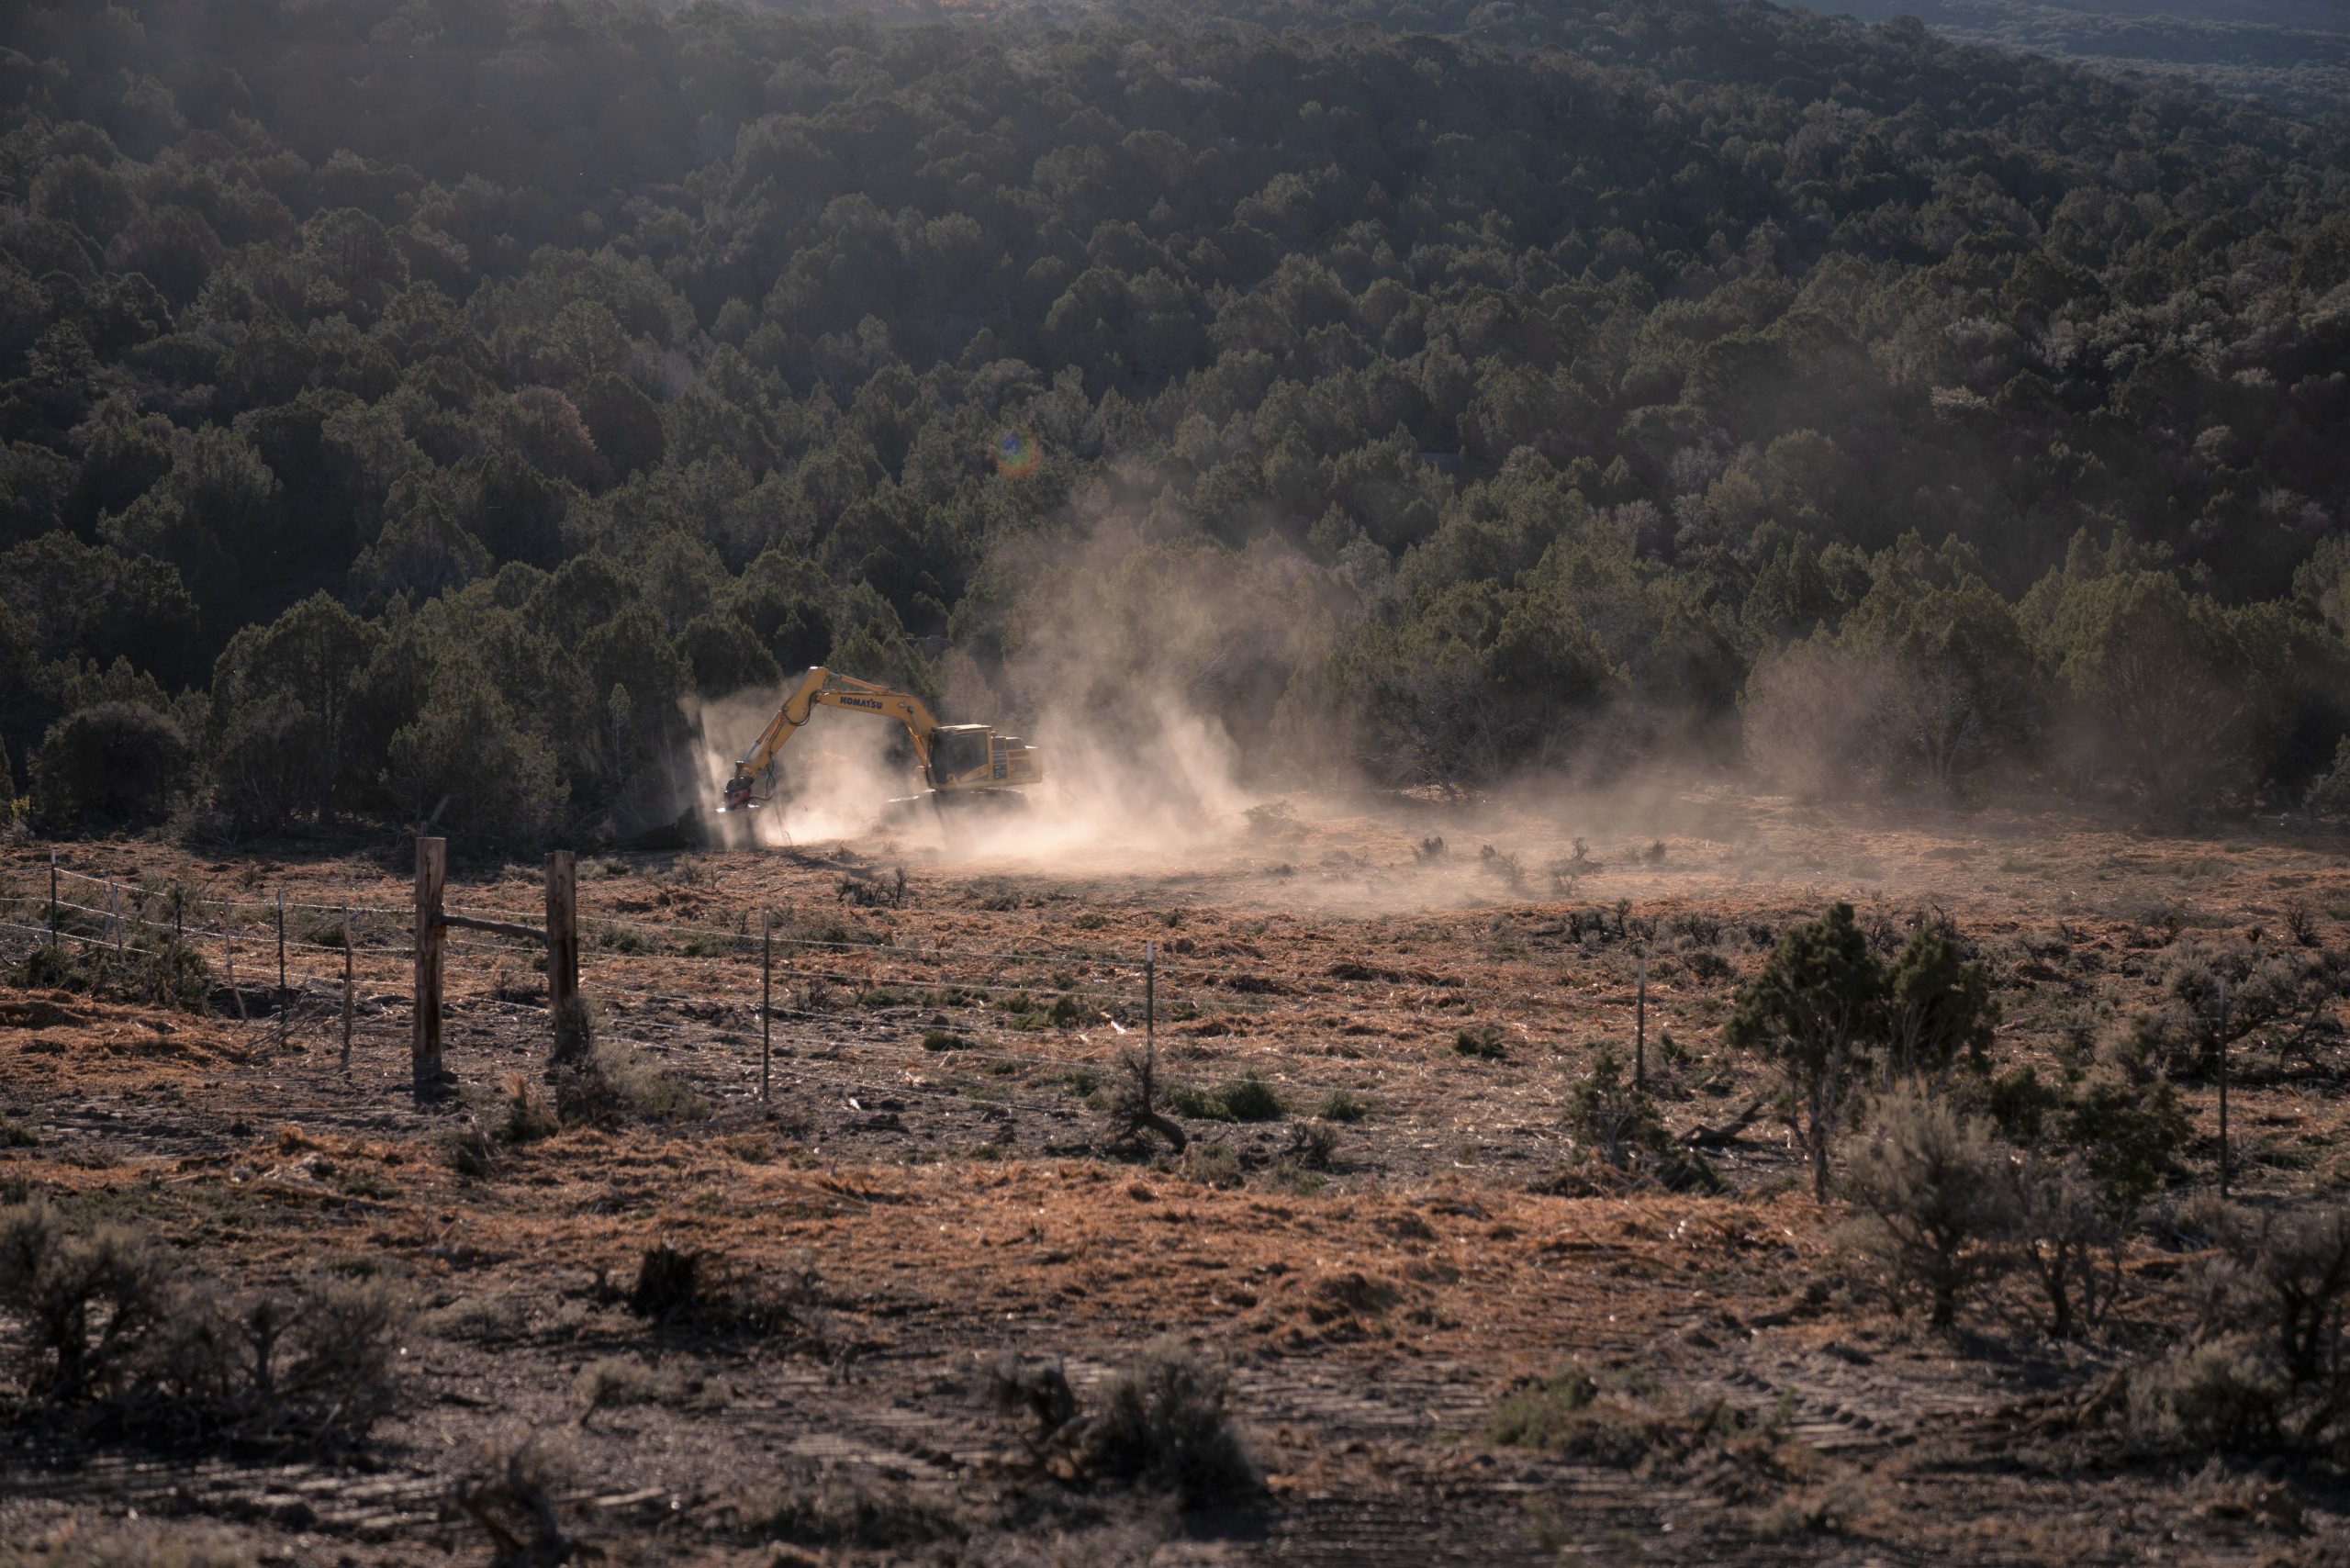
(2295, 53)
(410, 408)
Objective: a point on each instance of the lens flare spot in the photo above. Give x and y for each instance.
(1017, 454)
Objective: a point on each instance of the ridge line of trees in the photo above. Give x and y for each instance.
(407, 413)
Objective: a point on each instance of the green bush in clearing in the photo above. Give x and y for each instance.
(1197, 1105)
(1249, 1098)
(1485, 1044)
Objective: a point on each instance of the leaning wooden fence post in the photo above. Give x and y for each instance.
(1641, 1030)
(347, 997)
(767, 1001)
(431, 872)
(563, 946)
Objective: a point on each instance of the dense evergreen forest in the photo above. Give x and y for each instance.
(2295, 53)
(409, 408)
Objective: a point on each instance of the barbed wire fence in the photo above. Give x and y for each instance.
(847, 1006)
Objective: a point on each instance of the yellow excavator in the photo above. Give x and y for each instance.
(957, 762)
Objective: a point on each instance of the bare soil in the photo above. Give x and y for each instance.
(929, 1186)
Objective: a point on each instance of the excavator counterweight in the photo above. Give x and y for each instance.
(954, 761)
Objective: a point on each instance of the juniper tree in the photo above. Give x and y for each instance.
(1814, 1013)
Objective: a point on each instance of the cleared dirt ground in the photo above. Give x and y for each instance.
(930, 1187)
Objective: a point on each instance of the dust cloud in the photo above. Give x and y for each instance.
(1151, 670)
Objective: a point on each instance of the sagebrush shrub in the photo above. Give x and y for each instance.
(88, 1302)
(2267, 1367)
(2060, 1229)
(109, 1321)
(1162, 1422)
(1934, 1203)
(610, 1085)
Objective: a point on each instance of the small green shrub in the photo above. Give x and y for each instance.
(610, 1383)
(158, 971)
(130, 1543)
(1214, 1165)
(1341, 1106)
(1313, 1146)
(1612, 1119)
(1249, 1098)
(1484, 1043)
(1162, 1423)
(1626, 1420)
(469, 1151)
(611, 1085)
(1548, 1418)
(527, 1119)
(1196, 1105)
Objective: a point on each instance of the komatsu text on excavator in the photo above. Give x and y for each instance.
(957, 761)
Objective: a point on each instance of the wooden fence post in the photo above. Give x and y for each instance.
(347, 996)
(432, 874)
(562, 943)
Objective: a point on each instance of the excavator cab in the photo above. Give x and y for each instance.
(960, 755)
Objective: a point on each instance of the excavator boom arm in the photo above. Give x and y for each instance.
(821, 686)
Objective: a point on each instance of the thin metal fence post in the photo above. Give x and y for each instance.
(281, 950)
(2223, 1087)
(1641, 1030)
(348, 998)
(767, 1001)
(229, 956)
(53, 938)
(1150, 1011)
